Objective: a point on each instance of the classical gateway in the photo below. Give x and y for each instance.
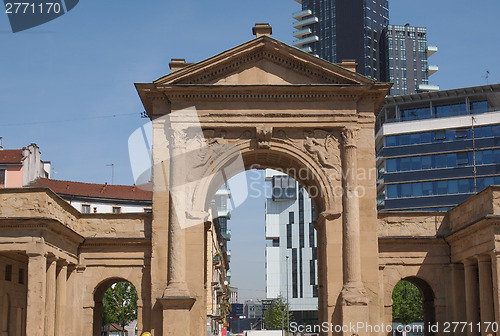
(267, 105)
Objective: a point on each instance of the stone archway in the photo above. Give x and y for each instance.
(428, 298)
(275, 106)
(98, 296)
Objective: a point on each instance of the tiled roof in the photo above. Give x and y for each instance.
(94, 190)
(11, 156)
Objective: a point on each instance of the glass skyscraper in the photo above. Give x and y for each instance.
(359, 29)
(404, 55)
(336, 30)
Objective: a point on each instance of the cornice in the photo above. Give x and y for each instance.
(40, 223)
(113, 241)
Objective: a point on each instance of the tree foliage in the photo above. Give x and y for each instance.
(407, 304)
(120, 304)
(274, 314)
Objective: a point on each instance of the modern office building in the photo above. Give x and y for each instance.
(337, 30)
(291, 256)
(436, 149)
(404, 55)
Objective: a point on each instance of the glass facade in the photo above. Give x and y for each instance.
(405, 59)
(345, 30)
(437, 168)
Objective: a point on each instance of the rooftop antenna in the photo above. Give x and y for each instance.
(112, 165)
(487, 76)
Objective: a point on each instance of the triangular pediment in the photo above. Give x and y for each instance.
(263, 61)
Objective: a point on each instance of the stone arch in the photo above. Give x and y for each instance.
(428, 298)
(98, 296)
(291, 160)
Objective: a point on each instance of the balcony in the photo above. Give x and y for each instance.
(224, 213)
(428, 87)
(302, 32)
(226, 235)
(302, 23)
(299, 1)
(431, 50)
(307, 49)
(299, 43)
(301, 14)
(432, 69)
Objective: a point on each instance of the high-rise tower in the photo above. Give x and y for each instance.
(336, 30)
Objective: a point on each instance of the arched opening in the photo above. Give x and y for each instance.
(273, 252)
(413, 307)
(5, 318)
(115, 308)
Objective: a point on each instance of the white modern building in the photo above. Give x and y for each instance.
(291, 255)
(99, 198)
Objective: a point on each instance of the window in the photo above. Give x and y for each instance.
(117, 209)
(20, 279)
(442, 187)
(85, 208)
(463, 186)
(440, 161)
(2, 178)
(487, 157)
(417, 189)
(406, 190)
(426, 162)
(284, 188)
(404, 139)
(462, 158)
(391, 165)
(427, 189)
(453, 187)
(496, 156)
(461, 133)
(440, 135)
(405, 164)
(452, 159)
(416, 163)
(8, 272)
(425, 137)
(289, 236)
(392, 191)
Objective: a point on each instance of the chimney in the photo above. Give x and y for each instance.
(1, 148)
(262, 29)
(349, 64)
(177, 64)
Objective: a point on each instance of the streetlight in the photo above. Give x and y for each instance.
(282, 318)
(287, 307)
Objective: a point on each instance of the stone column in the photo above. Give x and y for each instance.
(176, 280)
(458, 293)
(353, 292)
(354, 297)
(50, 302)
(486, 294)
(35, 306)
(61, 300)
(472, 296)
(495, 267)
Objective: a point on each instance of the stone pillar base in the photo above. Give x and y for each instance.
(354, 294)
(176, 315)
(355, 311)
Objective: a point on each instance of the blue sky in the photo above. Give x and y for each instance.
(68, 85)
